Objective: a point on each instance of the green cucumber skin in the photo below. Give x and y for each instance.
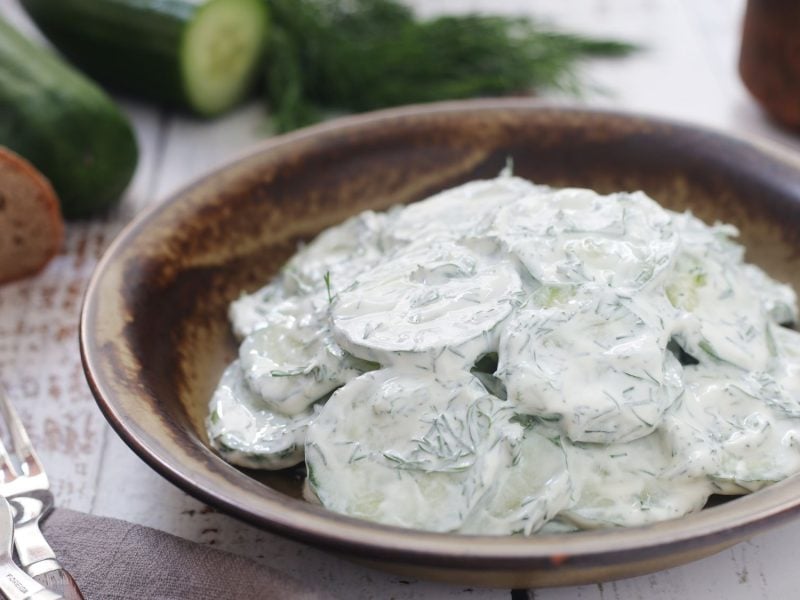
(132, 46)
(65, 125)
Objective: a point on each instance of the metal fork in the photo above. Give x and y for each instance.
(16, 584)
(29, 494)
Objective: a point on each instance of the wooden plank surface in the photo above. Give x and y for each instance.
(687, 71)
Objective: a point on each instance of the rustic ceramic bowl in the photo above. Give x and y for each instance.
(155, 338)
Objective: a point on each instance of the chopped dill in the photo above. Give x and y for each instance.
(327, 279)
(289, 373)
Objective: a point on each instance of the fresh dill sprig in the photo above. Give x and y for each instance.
(288, 373)
(328, 55)
(528, 421)
(327, 279)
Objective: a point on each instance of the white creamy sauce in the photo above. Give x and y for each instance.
(506, 358)
(290, 359)
(247, 432)
(425, 300)
(409, 449)
(591, 359)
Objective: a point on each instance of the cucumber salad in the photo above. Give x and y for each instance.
(506, 357)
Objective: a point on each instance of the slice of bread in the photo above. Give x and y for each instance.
(31, 227)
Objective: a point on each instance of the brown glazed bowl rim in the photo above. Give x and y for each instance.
(711, 527)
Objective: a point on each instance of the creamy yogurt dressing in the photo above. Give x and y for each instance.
(505, 357)
(410, 449)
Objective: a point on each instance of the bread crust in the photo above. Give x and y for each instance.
(31, 226)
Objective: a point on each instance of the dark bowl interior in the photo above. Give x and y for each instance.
(155, 337)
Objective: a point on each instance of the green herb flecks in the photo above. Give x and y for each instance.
(293, 372)
(706, 347)
(528, 421)
(327, 278)
(367, 54)
(451, 444)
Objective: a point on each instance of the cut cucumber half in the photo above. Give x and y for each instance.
(201, 55)
(221, 48)
(65, 125)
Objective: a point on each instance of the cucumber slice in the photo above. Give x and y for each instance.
(197, 54)
(594, 363)
(292, 361)
(530, 492)
(441, 300)
(330, 261)
(779, 299)
(727, 319)
(624, 485)
(463, 212)
(578, 236)
(251, 312)
(335, 257)
(725, 424)
(409, 450)
(246, 432)
(786, 372)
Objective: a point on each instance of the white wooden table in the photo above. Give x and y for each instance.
(688, 71)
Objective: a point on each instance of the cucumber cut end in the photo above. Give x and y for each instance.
(221, 50)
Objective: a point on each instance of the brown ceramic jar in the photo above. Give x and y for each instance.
(769, 63)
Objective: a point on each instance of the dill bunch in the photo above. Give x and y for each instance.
(356, 55)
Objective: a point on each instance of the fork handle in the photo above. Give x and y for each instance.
(61, 582)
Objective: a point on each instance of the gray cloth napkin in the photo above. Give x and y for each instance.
(115, 560)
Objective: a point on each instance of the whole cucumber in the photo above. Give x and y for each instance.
(200, 55)
(64, 124)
